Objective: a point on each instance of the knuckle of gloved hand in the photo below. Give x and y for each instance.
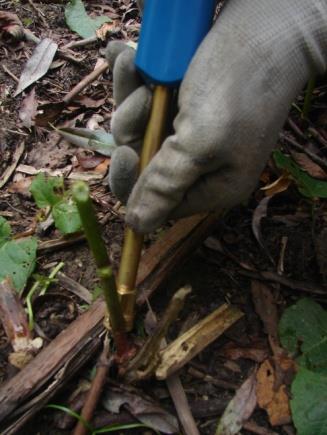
(201, 141)
(113, 50)
(129, 121)
(123, 172)
(125, 61)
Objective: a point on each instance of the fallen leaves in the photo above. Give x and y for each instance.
(265, 306)
(28, 110)
(78, 20)
(11, 168)
(239, 409)
(271, 397)
(308, 186)
(37, 65)
(309, 166)
(278, 186)
(141, 407)
(255, 352)
(10, 25)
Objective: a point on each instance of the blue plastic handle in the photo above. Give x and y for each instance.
(171, 32)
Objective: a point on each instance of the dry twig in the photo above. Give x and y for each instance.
(94, 393)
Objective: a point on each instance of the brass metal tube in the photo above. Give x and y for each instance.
(133, 242)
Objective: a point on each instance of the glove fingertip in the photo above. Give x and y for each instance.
(123, 172)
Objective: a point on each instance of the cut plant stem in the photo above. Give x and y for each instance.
(133, 242)
(91, 227)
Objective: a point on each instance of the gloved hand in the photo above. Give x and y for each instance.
(232, 104)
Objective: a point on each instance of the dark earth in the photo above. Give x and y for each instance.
(293, 231)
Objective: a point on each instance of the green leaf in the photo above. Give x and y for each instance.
(309, 403)
(66, 217)
(5, 231)
(17, 260)
(303, 328)
(307, 185)
(44, 188)
(95, 140)
(78, 20)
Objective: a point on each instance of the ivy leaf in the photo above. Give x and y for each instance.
(17, 260)
(78, 20)
(307, 185)
(5, 231)
(309, 403)
(44, 189)
(66, 217)
(303, 327)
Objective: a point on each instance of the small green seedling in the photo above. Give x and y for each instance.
(49, 192)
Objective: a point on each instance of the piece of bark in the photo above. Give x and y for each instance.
(51, 368)
(193, 341)
(14, 321)
(145, 362)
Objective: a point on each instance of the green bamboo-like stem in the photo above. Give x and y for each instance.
(92, 233)
(308, 96)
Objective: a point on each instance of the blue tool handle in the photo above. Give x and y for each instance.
(171, 32)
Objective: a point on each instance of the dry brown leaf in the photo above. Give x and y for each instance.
(102, 168)
(255, 353)
(11, 168)
(273, 399)
(28, 109)
(37, 65)
(265, 306)
(88, 102)
(309, 166)
(11, 25)
(21, 185)
(48, 113)
(278, 186)
(141, 407)
(107, 28)
(94, 121)
(89, 161)
(239, 409)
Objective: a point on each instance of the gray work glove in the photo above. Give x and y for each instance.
(232, 104)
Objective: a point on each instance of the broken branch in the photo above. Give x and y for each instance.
(185, 347)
